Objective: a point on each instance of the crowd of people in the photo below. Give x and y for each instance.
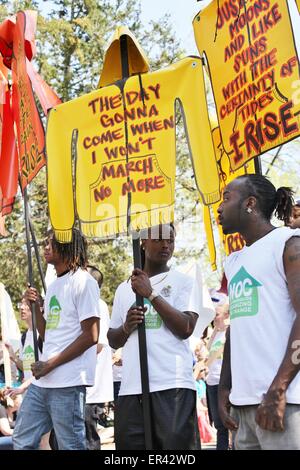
(240, 386)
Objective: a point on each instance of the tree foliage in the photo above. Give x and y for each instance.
(71, 42)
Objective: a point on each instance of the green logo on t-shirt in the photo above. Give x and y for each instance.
(216, 349)
(153, 320)
(54, 314)
(28, 357)
(243, 295)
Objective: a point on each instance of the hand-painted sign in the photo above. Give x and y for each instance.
(235, 241)
(18, 110)
(253, 64)
(124, 142)
(30, 132)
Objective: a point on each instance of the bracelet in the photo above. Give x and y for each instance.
(124, 330)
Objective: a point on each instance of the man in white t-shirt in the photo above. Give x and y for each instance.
(70, 331)
(260, 371)
(170, 320)
(102, 391)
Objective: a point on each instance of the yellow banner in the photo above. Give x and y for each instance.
(253, 65)
(232, 242)
(123, 140)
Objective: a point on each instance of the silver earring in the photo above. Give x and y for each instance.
(249, 210)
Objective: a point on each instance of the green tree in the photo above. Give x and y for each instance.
(71, 43)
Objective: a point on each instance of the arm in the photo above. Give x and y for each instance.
(270, 413)
(13, 392)
(181, 324)
(32, 295)
(14, 358)
(88, 338)
(225, 387)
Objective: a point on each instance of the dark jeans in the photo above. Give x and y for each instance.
(93, 412)
(222, 432)
(174, 421)
(117, 386)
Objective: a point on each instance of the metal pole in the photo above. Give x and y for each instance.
(139, 300)
(30, 274)
(37, 255)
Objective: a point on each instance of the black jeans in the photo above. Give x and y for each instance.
(222, 432)
(92, 415)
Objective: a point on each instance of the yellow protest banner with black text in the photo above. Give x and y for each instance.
(253, 65)
(124, 142)
(232, 242)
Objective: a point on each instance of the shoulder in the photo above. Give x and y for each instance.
(292, 248)
(124, 287)
(181, 279)
(81, 276)
(104, 312)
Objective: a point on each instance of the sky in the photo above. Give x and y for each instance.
(182, 13)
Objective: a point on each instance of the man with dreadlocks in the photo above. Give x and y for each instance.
(260, 373)
(70, 331)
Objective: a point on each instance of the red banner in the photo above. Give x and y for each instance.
(30, 131)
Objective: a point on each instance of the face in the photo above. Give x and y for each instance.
(232, 210)
(295, 219)
(222, 314)
(51, 256)
(24, 310)
(159, 248)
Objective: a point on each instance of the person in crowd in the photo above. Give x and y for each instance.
(294, 221)
(117, 372)
(207, 432)
(25, 358)
(8, 407)
(214, 363)
(102, 391)
(260, 371)
(169, 321)
(70, 331)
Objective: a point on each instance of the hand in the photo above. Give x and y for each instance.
(270, 413)
(13, 392)
(134, 317)
(224, 410)
(118, 362)
(140, 283)
(32, 295)
(40, 368)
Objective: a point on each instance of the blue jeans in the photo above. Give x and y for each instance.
(6, 443)
(45, 408)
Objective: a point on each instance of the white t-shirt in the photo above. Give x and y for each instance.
(216, 349)
(170, 360)
(102, 390)
(70, 299)
(261, 317)
(27, 354)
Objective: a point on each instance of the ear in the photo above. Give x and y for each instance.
(251, 203)
(143, 244)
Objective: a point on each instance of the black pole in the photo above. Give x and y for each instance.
(139, 300)
(30, 274)
(257, 165)
(37, 255)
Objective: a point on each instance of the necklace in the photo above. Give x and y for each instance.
(161, 280)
